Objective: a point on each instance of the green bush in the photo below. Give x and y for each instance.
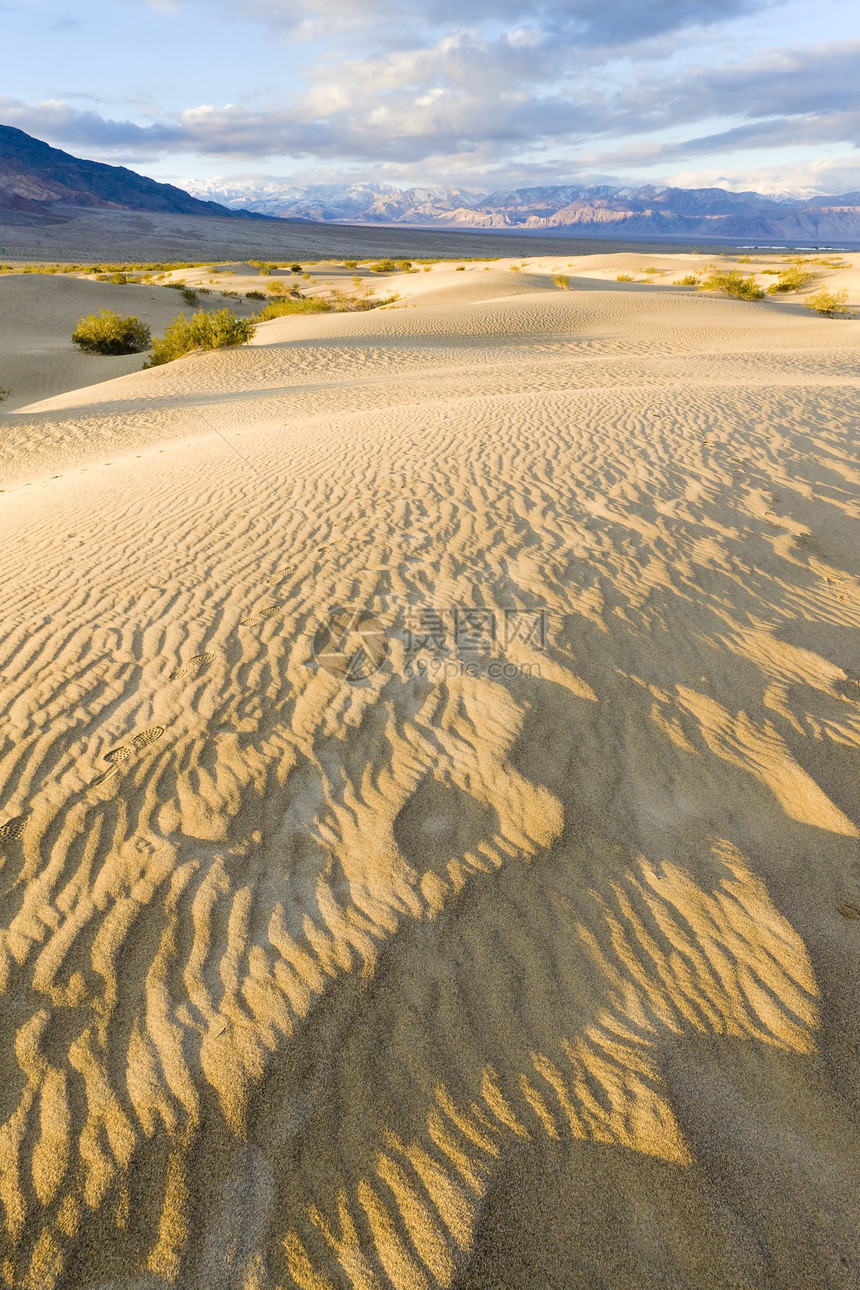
(791, 279)
(291, 305)
(733, 283)
(624, 277)
(561, 281)
(405, 265)
(119, 278)
(108, 333)
(255, 295)
(350, 264)
(832, 304)
(295, 268)
(219, 330)
(190, 296)
(688, 280)
(383, 266)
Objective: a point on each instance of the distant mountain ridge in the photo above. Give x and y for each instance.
(648, 211)
(36, 180)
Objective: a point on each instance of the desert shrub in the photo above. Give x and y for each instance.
(108, 333)
(219, 330)
(255, 295)
(770, 273)
(461, 268)
(234, 295)
(651, 269)
(119, 278)
(405, 265)
(832, 304)
(383, 266)
(733, 283)
(562, 281)
(292, 305)
(295, 268)
(190, 296)
(624, 277)
(791, 279)
(688, 280)
(515, 268)
(4, 393)
(350, 264)
(744, 259)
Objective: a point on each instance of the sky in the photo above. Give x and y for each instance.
(758, 94)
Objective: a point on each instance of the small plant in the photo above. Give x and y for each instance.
(688, 280)
(515, 268)
(4, 393)
(383, 266)
(190, 296)
(624, 277)
(831, 304)
(255, 295)
(120, 279)
(427, 268)
(350, 264)
(306, 277)
(293, 305)
(219, 330)
(461, 268)
(295, 268)
(562, 281)
(791, 279)
(108, 333)
(404, 265)
(744, 259)
(733, 283)
(651, 269)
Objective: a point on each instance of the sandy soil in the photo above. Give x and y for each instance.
(501, 928)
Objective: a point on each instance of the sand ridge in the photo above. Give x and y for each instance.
(452, 977)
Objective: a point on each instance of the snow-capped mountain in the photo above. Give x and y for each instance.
(595, 210)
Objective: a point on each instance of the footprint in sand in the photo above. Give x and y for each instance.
(12, 829)
(849, 909)
(259, 617)
(193, 667)
(850, 687)
(120, 757)
(279, 577)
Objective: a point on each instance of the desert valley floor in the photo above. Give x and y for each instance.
(526, 955)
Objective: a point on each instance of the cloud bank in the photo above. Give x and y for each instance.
(478, 89)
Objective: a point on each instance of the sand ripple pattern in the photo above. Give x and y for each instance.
(307, 984)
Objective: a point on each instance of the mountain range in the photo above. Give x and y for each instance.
(599, 210)
(39, 181)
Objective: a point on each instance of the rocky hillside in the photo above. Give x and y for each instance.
(38, 180)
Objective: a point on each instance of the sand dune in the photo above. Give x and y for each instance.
(526, 955)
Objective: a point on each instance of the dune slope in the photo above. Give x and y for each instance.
(430, 806)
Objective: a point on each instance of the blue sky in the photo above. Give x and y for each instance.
(467, 93)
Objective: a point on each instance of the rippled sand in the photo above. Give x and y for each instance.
(531, 965)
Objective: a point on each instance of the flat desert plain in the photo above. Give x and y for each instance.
(430, 798)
